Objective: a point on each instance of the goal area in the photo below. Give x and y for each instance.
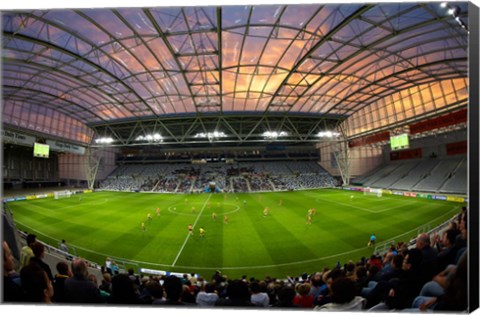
(62, 194)
(367, 191)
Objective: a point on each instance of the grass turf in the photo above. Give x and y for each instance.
(105, 224)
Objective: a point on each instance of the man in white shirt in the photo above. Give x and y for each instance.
(207, 296)
(258, 297)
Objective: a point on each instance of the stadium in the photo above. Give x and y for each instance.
(313, 156)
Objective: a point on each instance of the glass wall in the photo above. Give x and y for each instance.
(409, 104)
(45, 120)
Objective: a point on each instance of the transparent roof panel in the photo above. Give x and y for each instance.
(102, 65)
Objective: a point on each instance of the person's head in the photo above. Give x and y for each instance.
(62, 268)
(8, 262)
(92, 278)
(154, 289)
(303, 289)
(397, 262)
(342, 290)
(123, 289)
(38, 250)
(210, 288)
(107, 278)
(350, 267)
(423, 240)
(255, 287)
(173, 288)
(31, 238)
(412, 260)
(316, 279)
(238, 289)
(388, 258)
(334, 274)
(35, 283)
(79, 268)
(449, 237)
(286, 294)
(360, 272)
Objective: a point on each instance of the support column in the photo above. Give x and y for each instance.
(342, 156)
(92, 164)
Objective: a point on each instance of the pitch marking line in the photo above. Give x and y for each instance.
(188, 235)
(365, 209)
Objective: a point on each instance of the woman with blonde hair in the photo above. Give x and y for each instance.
(303, 299)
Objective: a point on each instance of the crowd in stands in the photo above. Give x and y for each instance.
(429, 275)
(241, 177)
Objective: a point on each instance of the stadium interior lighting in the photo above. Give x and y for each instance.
(106, 140)
(150, 137)
(274, 134)
(455, 12)
(327, 134)
(211, 135)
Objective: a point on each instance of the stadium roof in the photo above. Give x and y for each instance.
(180, 73)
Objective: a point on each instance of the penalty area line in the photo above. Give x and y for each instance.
(188, 235)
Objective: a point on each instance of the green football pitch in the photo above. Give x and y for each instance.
(108, 224)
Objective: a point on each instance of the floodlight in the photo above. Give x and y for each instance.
(328, 134)
(105, 140)
(150, 137)
(274, 134)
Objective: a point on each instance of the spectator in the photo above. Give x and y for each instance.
(64, 247)
(78, 289)
(39, 254)
(455, 297)
(12, 291)
(59, 282)
(324, 295)
(188, 296)
(429, 257)
(448, 254)
(405, 288)
(360, 278)
(286, 294)
(115, 268)
(374, 295)
(258, 297)
(207, 296)
(36, 285)
(343, 297)
(193, 279)
(124, 291)
(316, 283)
(237, 295)
(106, 284)
(27, 252)
(447, 292)
(108, 265)
(303, 299)
(173, 288)
(153, 292)
(135, 279)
